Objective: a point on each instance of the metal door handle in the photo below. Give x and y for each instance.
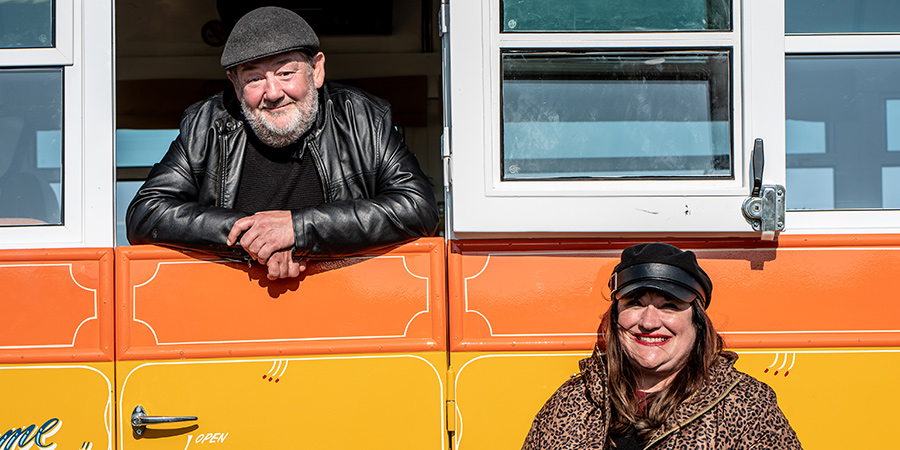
(139, 419)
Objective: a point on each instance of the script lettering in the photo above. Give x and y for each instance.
(24, 438)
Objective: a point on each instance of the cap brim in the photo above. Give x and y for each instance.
(672, 289)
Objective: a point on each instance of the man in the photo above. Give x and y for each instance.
(321, 171)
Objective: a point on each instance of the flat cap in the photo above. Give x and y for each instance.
(662, 267)
(265, 32)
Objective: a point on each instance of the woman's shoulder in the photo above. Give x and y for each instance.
(746, 387)
(582, 392)
(752, 408)
(748, 400)
(572, 415)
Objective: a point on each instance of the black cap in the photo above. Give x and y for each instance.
(662, 267)
(268, 31)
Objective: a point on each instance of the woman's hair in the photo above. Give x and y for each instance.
(623, 376)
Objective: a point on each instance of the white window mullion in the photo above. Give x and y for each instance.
(764, 85)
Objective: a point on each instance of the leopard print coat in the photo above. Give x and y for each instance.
(734, 411)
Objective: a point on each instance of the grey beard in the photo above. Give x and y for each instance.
(302, 119)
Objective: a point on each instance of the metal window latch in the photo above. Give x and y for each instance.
(444, 18)
(764, 209)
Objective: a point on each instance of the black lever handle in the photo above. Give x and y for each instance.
(757, 160)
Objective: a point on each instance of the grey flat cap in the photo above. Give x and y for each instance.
(265, 32)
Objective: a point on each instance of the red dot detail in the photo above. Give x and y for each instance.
(279, 379)
(265, 376)
(270, 378)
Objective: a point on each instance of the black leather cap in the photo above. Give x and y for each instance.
(265, 32)
(662, 267)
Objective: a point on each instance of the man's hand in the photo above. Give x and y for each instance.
(265, 233)
(282, 265)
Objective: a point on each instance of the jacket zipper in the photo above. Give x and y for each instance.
(320, 167)
(696, 416)
(223, 149)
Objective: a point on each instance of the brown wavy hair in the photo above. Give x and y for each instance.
(623, 376)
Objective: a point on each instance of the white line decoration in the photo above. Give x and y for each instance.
(793, 357)
(278, 369)
(426, 310)
(773, 363)
(484, 268)
(793, 361)
(601, 253)
(810, 332)
(77, 329)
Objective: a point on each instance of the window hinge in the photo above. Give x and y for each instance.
(764, 209)
(451, 401)
(445, 157)
(444, 18)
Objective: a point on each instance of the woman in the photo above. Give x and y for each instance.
(658, 377)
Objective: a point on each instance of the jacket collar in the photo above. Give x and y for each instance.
(723, 379)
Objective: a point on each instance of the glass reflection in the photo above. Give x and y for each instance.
(26, 24)
(614, 115)
(841, 17)
(30, 146)
(615, 15)
(842, 115)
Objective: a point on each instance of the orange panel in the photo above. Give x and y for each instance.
(174, 305)
(801, 291)
(56, 305)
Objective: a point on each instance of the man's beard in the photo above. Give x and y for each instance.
(302, 117)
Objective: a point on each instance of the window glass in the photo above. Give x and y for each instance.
(30, 146)
(26, 24)
(142, 148)
(610, 115)
(125, 191)
(842, 115)
(841, 17)
(615, 15)
(890, 187)
(136, 152)
(810, 189)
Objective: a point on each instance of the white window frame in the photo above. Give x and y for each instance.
(84, 50)
(482, 204)
(837, 221)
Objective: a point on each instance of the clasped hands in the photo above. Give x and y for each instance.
(268, 236)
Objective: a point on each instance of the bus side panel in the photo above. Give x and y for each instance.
(793, 310)
(350, 355)
(177, 305)
(390, 401)
(499, 393)
(56, 348)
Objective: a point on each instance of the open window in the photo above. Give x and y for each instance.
(56, 124)
(611, 117)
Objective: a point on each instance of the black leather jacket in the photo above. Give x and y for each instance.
(375, 193)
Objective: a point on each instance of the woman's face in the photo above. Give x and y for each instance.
(657, 334)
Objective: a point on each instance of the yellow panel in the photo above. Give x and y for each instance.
(390, 401)
(69, 406)
(498, 394)
(819, 390)
(826, 390)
